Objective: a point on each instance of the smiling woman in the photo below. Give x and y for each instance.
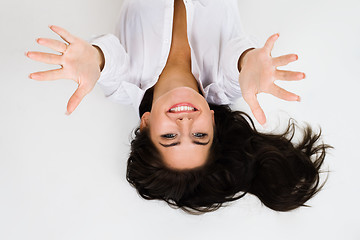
(240, 160)
(181, 63)
(181, 130)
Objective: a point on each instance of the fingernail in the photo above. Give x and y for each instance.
(67, 113)
(299, 99)
(30, 76)
(265, 125)
(304, 75)
(50, 26)
(297, 57)
(26, 53)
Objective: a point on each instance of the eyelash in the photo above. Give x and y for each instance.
(173, 135)
(169, 136)
(199, 135)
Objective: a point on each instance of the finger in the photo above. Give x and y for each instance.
(48, 75)
(283, 94)
(55, 45)
(48, 58)
(270, 42)
(75, 99)
(65, 35)
(289, 75)
(256, 109)
(285, 60)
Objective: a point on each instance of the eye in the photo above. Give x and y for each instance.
(169, 135)
(199, 135)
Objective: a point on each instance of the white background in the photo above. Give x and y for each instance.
(64, 177)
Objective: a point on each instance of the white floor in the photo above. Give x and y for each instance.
(64, 177)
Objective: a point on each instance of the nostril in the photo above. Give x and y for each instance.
(183, 118)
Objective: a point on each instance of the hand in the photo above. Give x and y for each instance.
(258, 73)
(79, 61)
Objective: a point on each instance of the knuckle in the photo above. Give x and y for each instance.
(278, 91)
(282, 74)
(70, 69)
(68, 59)
(284, 60)
(51, 58)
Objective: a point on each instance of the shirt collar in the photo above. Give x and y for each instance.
(201, 2)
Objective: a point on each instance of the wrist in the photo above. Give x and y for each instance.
(99, 57)
(243, 58)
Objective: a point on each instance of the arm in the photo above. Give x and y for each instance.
(115, 66)
(103, 60)
(100, 57)
(241, 58)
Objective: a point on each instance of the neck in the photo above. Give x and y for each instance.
(176, 74)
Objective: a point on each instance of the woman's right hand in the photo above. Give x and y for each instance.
(79, 61)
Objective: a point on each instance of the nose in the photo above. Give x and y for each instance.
(183, 116)
(183, 119)
(184, 123)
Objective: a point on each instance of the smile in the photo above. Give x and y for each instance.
(182, 107)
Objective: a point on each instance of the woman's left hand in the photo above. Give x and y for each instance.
(258, 73)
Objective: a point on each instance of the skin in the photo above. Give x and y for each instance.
(83, 63)
(190, 133)
(176, 84)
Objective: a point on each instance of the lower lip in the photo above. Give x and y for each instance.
(183, 105)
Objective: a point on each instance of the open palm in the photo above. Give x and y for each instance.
(79, 61)
(258, 73)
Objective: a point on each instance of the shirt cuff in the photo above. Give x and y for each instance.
(235, 49)
(229, 65)
(114, 55)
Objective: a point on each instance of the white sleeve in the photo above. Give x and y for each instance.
(116, 68)
(237, 43)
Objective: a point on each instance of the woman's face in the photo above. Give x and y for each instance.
(181, 126)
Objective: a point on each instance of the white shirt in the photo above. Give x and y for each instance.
(136, 56)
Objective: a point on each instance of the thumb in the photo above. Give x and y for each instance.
(256, 109)
(75, 99)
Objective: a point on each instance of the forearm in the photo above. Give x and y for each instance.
(101, 58)
(242, 58)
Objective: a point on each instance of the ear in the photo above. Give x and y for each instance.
(144, 121)
(213, 116)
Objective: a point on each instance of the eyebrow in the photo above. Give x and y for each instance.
(178, 143)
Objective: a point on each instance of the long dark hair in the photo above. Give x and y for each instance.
(283, 175)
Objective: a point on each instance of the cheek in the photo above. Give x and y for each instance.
(159, 125)
(208, 120)
(205, 125)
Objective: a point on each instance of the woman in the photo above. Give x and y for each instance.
(173, 58)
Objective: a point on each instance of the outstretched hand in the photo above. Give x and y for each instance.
(79, 61)
(258, 73)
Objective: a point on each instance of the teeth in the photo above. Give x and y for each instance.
(182, 108)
